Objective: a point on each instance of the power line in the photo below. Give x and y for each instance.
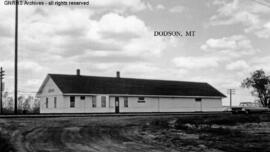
(27, 91)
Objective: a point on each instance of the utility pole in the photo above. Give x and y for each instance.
(16, 59)
(231, 92)
(2, 73)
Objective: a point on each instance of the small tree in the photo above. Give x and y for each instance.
(5, 98)
(36, 105)
(21, 100)
(10, 105)
(26, 104)
(258, 81)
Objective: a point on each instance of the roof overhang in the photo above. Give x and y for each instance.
(48, 77)
(42, 86)
(134, 95)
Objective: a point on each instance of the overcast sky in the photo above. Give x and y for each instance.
(232, 40)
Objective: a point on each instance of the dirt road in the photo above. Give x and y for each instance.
(118, 134)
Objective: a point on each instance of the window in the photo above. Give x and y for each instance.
(82, 97)
(126, 102)
(72, 101)
(198, 99)
(47, 102)
(94, 101)
(103, 101)
(55, 100)
(141, 100)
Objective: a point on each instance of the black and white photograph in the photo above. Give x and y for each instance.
(134, 76)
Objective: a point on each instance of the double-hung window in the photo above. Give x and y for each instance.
(55, 102)
(198, 99)
(103, 101)
(82, 97)
(94, 101)
(72, 101)
(125, 102)
(47, 102)
(141, 100)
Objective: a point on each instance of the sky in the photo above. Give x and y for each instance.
(231, 41)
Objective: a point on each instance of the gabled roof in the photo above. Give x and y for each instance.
(79, 84)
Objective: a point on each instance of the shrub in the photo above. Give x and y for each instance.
(5, 145)
(160, 123)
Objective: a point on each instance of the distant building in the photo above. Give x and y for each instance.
(93, 94)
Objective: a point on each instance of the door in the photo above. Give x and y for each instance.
(116, 104)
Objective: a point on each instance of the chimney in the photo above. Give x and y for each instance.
(78, 72)
(117, 74)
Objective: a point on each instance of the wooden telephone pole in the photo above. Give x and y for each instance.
(231, 92)
(2, 73)
(16, 59)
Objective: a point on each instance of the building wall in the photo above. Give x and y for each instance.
(81, 106)
(178, 104)
(85, 106)
(156, 104)
(151, 104)
(212, 105)
(50, 91)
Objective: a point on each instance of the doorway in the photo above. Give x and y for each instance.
(116, 104)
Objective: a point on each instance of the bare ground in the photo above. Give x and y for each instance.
(137, 134)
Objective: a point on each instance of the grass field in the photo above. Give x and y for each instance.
(214, 133)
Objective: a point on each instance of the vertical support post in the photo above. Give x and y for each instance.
(230, 98)
(231, 92)
(1, 89)
(16, 60)
(158, 104)
(201, 108)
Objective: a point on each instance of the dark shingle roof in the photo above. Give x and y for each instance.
(112, 85)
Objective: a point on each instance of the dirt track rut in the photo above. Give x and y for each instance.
(80, 135)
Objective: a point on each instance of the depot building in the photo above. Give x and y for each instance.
(78, 93)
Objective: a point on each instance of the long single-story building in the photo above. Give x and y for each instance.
(93, 94)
